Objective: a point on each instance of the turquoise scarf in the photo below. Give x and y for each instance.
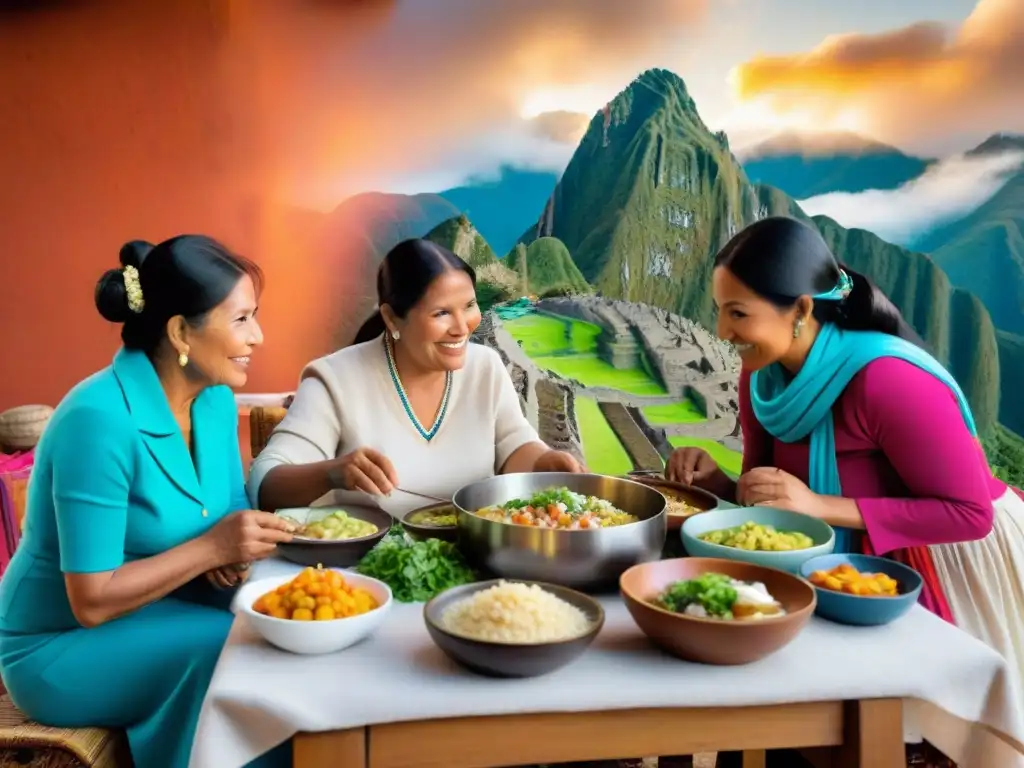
(803, 406)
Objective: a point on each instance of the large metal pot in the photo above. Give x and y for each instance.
(590, 559)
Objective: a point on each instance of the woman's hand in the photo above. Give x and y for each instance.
(243, 537)
(771, 487)
(367, 470)
(694, 466)
(558, 461)
(228, 576)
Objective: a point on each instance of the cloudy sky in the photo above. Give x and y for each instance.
(417, 95)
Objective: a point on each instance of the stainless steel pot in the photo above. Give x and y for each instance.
(590, 559)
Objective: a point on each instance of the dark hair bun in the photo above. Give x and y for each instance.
(133, 252)
(111, 297)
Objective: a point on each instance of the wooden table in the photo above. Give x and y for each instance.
(855, 734)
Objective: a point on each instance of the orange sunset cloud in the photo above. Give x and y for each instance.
(404, 91)
(917, 84)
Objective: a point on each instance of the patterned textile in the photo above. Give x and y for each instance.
(27, 744)
(14, 473)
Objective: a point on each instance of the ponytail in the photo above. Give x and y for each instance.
(371, 329)
(866, 308)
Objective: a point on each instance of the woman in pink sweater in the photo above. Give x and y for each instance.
(845, 417)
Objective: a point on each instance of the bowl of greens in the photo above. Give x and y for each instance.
(717, 611)
(415, 570)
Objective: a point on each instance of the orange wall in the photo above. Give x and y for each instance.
(122, 120)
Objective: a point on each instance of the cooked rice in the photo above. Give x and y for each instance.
(515, 613)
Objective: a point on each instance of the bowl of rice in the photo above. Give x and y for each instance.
(508, 628)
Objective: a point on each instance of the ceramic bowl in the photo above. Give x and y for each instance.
(672, 491)
(314, 637)
(820, 532)
(863, 610)
(421, 531)
(495, 659)
(715, 641)
(334, 554)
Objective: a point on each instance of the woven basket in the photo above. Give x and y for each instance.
(21, 427)
(26, 744)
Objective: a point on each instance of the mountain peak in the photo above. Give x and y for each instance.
(998, 143)
(662, 80)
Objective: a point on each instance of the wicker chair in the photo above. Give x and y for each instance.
(27, 744)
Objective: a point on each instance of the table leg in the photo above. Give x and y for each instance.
(755, 758)
(330, 749)
(873, 734)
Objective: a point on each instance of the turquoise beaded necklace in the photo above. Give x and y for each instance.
(426, 434)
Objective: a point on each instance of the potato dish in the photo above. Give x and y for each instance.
(756, 537)
(316, 594)
(846, 578)
(337, 526)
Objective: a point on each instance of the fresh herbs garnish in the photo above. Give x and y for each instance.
(573, 501)
(416, 571)
(713, 591)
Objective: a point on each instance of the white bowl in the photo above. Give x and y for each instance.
(314, 637)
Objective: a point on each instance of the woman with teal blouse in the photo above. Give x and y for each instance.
(137, 506)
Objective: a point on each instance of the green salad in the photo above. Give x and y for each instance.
(714, 592)
(416, 571)
(717, 596)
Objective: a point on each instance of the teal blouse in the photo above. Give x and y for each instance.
(114, 481)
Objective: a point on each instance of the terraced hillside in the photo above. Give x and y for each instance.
(629, 413)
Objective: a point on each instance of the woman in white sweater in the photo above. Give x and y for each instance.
(411, 404)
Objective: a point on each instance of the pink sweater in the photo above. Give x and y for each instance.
(904, 454)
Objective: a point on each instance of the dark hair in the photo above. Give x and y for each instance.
(187, 275)
(782, 259)
(404, 276)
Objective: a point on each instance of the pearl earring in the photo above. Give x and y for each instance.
(182, 359)
(796, 329)
(396, 335)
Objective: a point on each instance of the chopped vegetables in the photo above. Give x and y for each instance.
(558, 508)
(846, 578)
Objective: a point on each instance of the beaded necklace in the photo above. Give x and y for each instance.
(426, 434)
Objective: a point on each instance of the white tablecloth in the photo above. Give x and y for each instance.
(261, 696)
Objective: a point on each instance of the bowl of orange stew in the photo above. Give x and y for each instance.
(862, 590)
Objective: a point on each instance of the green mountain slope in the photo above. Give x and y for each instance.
(495, 282)
(1011, 362)
(651, 195)
(547, 267)
(648, 196)
(807, 166)
(500, 207)
(984, 253)
(460, 237)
